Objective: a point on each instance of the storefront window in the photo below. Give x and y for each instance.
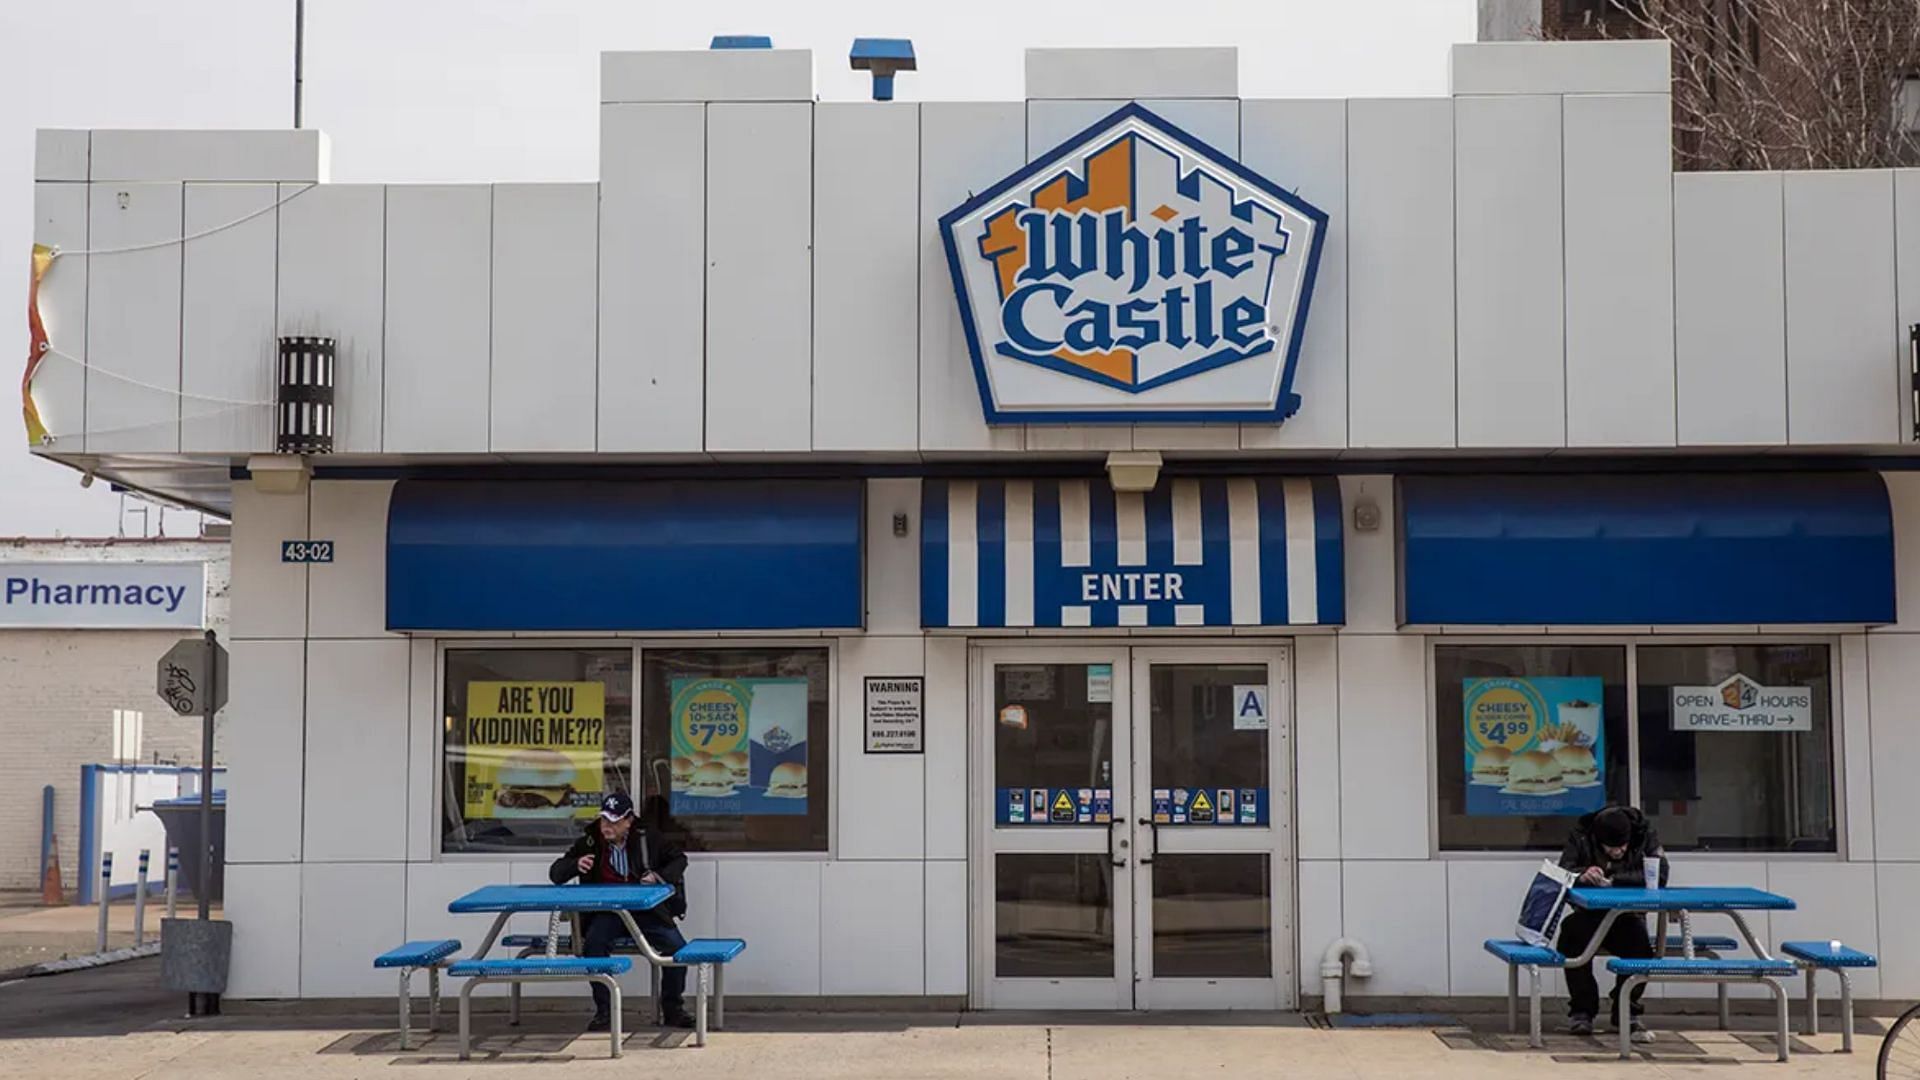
(533, 738)
(1736, 746)
(1734, 749)
(735, 745)
(1529, 737)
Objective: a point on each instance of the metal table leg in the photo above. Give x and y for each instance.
(433, 997)
(513, 1004)
(1533, 1007)
(1513, 998)
(466, 1015)
(700, 1005)
(1813, 1001)
(406, 1008)
(720, 997)
(1846, 1011)
(1726, 1009)
(1780, 1005)
(1623, 1017)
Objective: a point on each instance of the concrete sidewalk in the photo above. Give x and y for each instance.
(31, 934)
(115, 1022)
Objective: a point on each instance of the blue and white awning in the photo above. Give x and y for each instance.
(1250, 551)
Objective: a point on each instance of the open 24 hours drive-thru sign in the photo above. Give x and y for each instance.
(1134, 273)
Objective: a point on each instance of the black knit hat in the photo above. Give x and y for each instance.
(1613, 827)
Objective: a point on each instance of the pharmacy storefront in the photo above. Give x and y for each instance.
(1116, 549)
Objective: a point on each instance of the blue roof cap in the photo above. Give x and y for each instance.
(897, 51)
(741, 41)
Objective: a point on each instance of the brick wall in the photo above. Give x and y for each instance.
(58, 691)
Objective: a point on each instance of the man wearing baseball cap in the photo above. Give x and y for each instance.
(1608, 848)
(617, 849)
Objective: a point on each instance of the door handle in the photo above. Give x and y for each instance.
(1111, 857)
(1153, 830)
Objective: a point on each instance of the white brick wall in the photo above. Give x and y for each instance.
(60, 690)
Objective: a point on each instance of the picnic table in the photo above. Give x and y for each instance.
(1685, 902)
(505, 901)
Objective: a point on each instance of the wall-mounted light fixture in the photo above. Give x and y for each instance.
(304, 402)
(883, 57)
(1133, 470)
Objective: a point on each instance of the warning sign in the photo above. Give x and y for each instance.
(1064, 809)
(1201, 810)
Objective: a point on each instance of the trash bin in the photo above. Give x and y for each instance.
(181, 817)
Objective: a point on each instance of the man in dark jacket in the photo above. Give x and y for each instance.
(1607, 849)
(615, 849)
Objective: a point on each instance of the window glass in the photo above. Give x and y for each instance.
(1736, 746)
(735, 744)
(533, 737)
(1528, 738)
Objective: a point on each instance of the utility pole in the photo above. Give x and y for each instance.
(299, 51)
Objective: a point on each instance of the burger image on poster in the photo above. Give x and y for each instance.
(534, 783)
(682, 771)
(1490, 766)
(736, 763)
(788, 781)
(1577, 767)
(710, 781)
(776, 728)
(1532, 772)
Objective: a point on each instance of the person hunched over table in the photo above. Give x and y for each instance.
(1608, 849)
(617, 849)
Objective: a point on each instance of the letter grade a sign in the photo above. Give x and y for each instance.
(1134, 273)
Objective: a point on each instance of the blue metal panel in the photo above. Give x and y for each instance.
(606, 555)
(1655, 549)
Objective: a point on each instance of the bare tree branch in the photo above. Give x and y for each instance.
(1780, 84)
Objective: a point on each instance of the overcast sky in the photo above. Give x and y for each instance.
(415, 90)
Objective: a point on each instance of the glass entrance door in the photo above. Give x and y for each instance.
(1132, 847)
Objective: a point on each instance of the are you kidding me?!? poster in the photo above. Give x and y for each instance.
(739, 746)
(1534, 746)
(534, 749)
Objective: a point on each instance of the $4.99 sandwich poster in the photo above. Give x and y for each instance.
(534, 749)
(739, 746)
(1534, 746)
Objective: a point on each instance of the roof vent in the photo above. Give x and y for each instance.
(883, 57)
(741, 41)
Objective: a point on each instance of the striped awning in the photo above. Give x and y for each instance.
(1254, 551)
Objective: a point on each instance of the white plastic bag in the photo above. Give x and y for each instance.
(1546, 899)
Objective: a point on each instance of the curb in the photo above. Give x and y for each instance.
(78, 963)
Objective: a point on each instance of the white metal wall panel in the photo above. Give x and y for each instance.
(431, 886)
(946, 764)
(263, 904)
(1856, 745)
(332, 282)
(348, 596)
(1479, 892)
(356, 750)
(1385, 798)
(707, 75)
(133, 317)
(1903, 494)
(1898, 884)
(1511, 334)
(653, 281)
(1214, 121)
(269, 596)
(1619, 280)
(1302, 146)
(964, 148)
(1730, 308)
(1894, 663)
(1373, 601)
(1844, 367)
(760, 276)
(1184, 72)
(1316, 741)
(228, 352)
(546, 240)
(1400, 316)
(881, 797)
(1835, 902)
(214, 155)
(61, 153)
(349, 914)
(424, 727)
(1561, 67)
(1318, 918)
(893, 562)
(1408, 942)
(439, 294)
(946, 896)
(60, 383)
(1906, 222)
(263, 738)
(866, 319)
(775, 905)
(872, 928)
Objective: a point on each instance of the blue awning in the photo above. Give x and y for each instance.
(1216, 552)
(613, 555)
(1690, 549)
